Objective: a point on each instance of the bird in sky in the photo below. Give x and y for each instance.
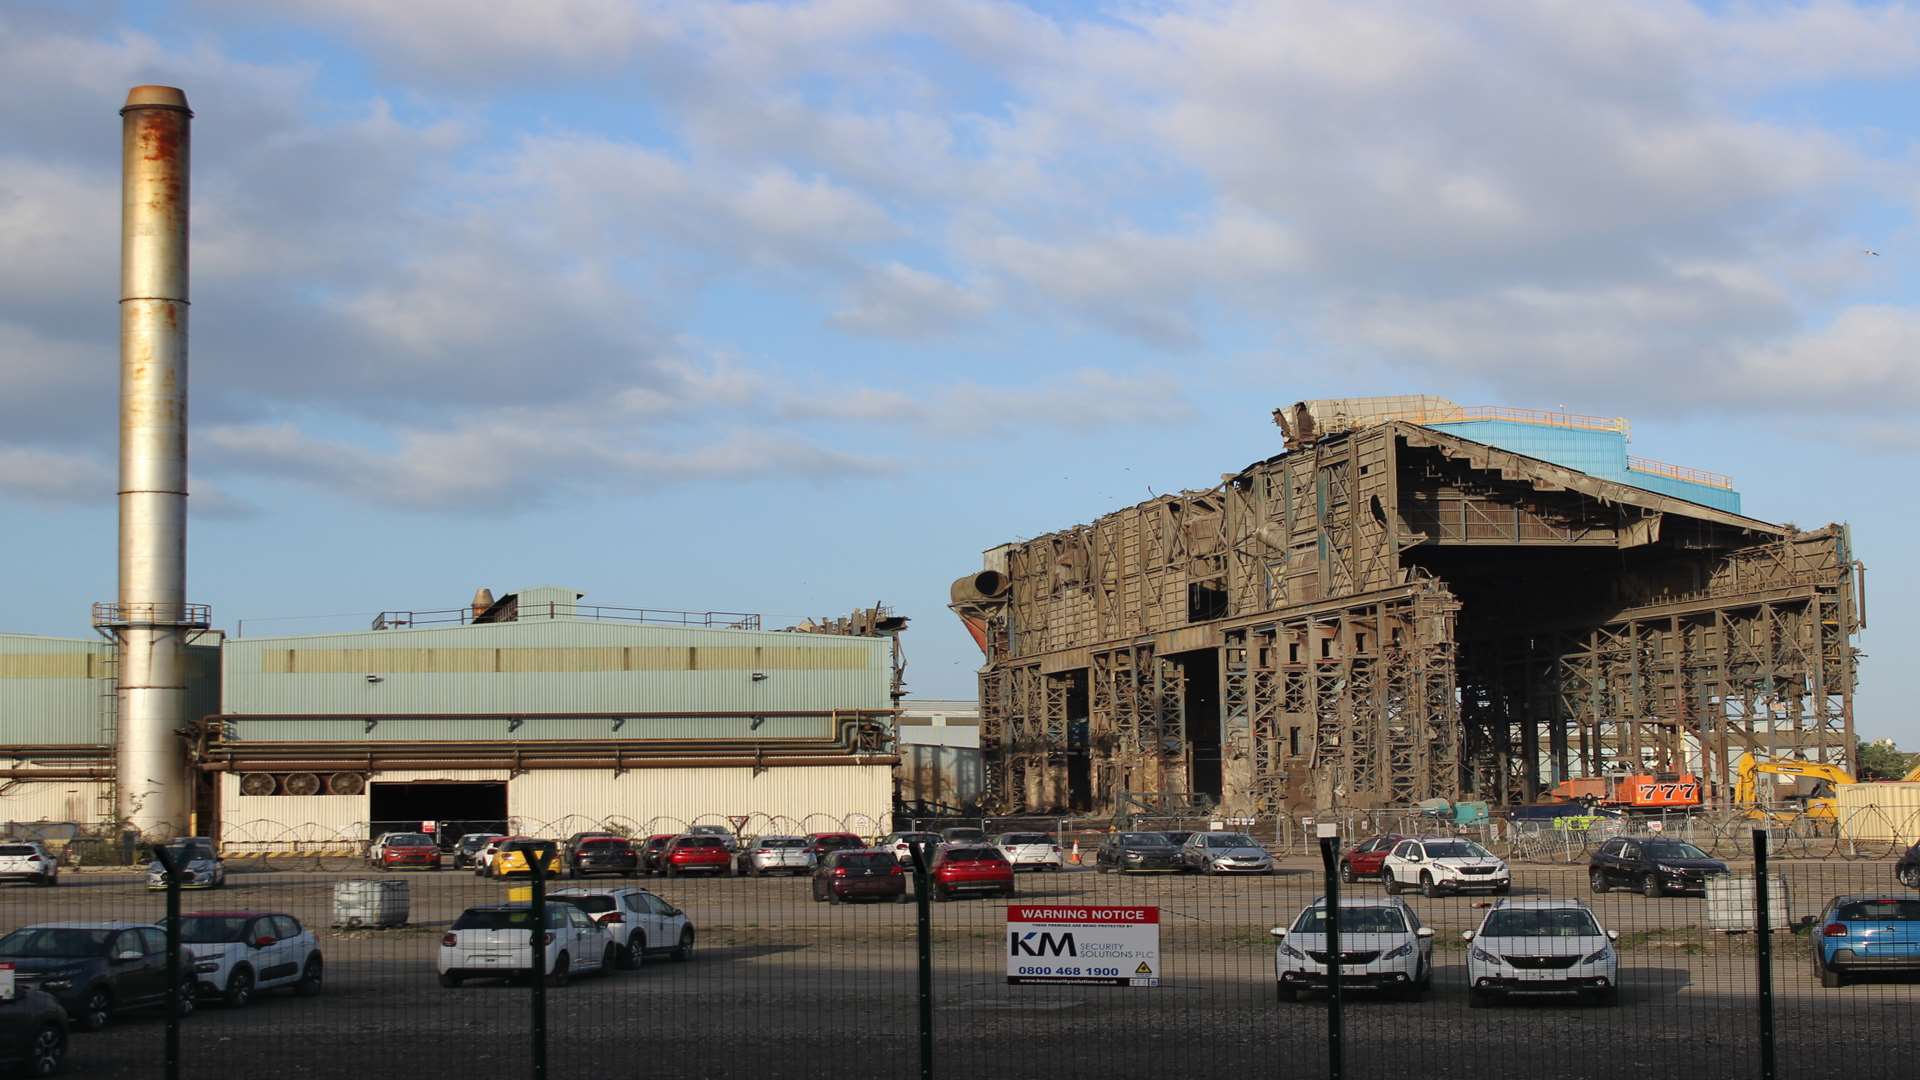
(1873, 253)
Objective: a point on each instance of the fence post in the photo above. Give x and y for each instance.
(166, 859)
(537, 854)
(1330, 862)
(923, 905)
(1763, 946)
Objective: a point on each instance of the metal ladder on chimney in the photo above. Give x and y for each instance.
(108, 708)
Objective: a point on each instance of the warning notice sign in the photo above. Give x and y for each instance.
(1083, 944)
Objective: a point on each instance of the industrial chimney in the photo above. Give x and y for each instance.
(151, 621)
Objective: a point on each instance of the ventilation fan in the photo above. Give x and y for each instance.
(346, 783)
(257, 783)
(303, 783)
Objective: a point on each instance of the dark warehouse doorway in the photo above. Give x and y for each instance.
(1079, 759)
(454, 808)
(1202, 670)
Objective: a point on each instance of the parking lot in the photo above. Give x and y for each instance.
(780, 984)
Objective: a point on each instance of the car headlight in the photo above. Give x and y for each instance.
(1288, 950)
(207, 965)
(1484, 956)
(1604, 954)
(1665, 869)
(55, 986)
(1397, 953)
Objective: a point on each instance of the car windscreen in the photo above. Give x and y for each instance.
(1230, 840)
(213, 929)
(16, 849)
(1143, 839)
(1026, 838)
(1673, 849)
(54, 941)
(782, 842)
(1457, 849)
(595, 904)
(917, 838)
(500, 919)
(1353, 920)
(1880, 909)
(863, 859)
(968, 835)
(474, 841)
(971, 854)
(1545, 923)
(189, 852)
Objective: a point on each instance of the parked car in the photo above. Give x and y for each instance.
(1654, 865)
(1225, 853)
(237, 954)
(509, 860)
(653, 851)
(466, 853)
(602, 855)
(963, 834)
(823, 844)
(496, 941)
(33, 1033)
(1130, 852)
(860, 873)
(696, 855)
(201, 866)
(1540, 947)
(573, 842)
(639, 923)
(483, 862)
(1382, 947)
(98, 970)
(1907, 870)
(725, 834)
(1363, 860)
(775, 855)
(1866, 935)
(1436, 865)
(901, 844)
(969, 868)
(399, 851)
(1030, 851)
(28, 861)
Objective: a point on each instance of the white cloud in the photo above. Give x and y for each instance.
(53, 476)
(897, 301)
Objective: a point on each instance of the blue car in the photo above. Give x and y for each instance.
(1860, 935)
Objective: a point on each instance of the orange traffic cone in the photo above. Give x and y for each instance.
(1074, 858)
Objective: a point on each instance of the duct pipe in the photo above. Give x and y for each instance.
(986, 586)
(151, 789)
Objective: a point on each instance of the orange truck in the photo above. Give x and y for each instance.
(1633, 791)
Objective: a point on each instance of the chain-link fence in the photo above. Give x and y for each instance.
(1140, 958)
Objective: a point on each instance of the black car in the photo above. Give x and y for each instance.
(602, 855)
(1654, 865)
(33, 1034)
(1907, 870)
(860, 873)
(653, 852)
(467, 852)
(1138, 851)
(98, 970)
(1177, 838)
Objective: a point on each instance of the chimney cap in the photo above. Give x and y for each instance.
(157, 97)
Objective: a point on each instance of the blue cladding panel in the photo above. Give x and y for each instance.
(1602, 454)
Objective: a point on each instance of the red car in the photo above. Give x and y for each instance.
(654, 852)
(875, 875)
(689, 854)
(1363, 860)
(408, 849)
(964, 868)
(823, 844)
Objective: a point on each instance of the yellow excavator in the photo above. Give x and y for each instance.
(1815, 786)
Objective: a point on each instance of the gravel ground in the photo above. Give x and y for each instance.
(783, 987)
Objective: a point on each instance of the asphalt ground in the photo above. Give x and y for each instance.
(781, 986)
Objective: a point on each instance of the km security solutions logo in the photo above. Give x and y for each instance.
(1040, 943)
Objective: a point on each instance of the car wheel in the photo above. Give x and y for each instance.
(185, 997)
(833, 896)
(1346, 873)
(1502, 890)
(313, 978)
(941, 895)
(47, 1050)
(1388, 882)
(1426, 978)
(671, 871)
(96, 1011)
(1830, 978)
(1478, 999)
(1285, 993)
(239, 989)
(1427, 886)
(562, 968)
(609, 958)
(635, 957)
(684, 951)
(1910, 877)
(902, 898)
(1596, 880)
(451, 982)
(1010, 890)
(1650, 887)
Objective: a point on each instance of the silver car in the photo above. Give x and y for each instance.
(1226, 853)
(775, 855)
(200, 865)
(725, 834)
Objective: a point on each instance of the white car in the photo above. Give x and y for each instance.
(237, 954)
(1225, 853)
(640, 923)
(901, 844)
(775, 855)
(1030, 851)
(29, 861)
(1382, 947)
(1445, 864)
(1541, 947)
(201, 867)
(494, 941)
(483, 859)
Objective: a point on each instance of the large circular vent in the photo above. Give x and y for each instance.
(303, 783)
(257, 783)
(346, 783)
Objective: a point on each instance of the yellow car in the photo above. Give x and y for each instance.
(510, 861)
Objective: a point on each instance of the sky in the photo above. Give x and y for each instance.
(796, 307)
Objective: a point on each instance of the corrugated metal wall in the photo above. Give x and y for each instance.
(560, 802)
(52, 800)
(54, 691)
(1885, 812)
(552, 666)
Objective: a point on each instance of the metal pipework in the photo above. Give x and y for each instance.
(152, 785)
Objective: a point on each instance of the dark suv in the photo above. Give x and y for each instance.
(863, 872)
(1654, 865)
(602, 855)
(96, 970)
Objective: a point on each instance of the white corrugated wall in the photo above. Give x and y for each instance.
(78, 801)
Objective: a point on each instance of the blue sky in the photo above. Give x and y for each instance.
(796, 307)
